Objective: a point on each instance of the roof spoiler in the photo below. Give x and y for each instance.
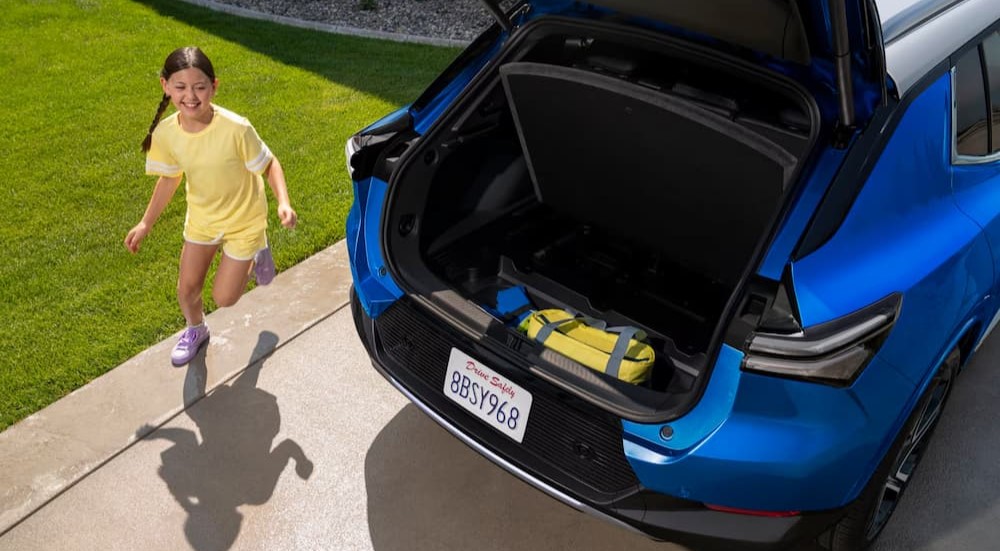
(494, 8)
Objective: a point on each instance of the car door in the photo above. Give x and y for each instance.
(976, 138)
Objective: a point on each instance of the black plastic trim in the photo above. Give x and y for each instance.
(413, 347)
(371, 145)
(876, 44)
(659, 516)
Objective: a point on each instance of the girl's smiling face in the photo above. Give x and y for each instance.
(191, 91)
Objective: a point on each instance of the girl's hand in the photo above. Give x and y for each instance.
(135, 237)
(287, 216)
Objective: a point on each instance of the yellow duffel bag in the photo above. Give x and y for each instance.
(615, 351)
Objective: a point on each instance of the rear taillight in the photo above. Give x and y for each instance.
(834, 352)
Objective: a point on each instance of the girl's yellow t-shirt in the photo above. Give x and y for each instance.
(223, 165)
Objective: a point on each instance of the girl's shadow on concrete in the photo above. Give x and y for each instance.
(233, 463)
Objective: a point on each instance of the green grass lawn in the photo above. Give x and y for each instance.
(79, 91)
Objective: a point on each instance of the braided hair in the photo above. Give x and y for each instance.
(178, 60)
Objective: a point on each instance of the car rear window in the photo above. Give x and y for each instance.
(972, 132)
(991, 52)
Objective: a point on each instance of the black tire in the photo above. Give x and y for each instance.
(870, 513)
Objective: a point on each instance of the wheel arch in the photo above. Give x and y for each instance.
(967, 342)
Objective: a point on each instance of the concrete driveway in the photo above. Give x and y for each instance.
(309, 448)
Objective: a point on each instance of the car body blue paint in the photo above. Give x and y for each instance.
(386, 120)
(798, 218)
(697, 424)
(777, 449)
(426, 116)
(977, 192)
(905, 234)
(372, 282)
(913, 231)
(919, 227)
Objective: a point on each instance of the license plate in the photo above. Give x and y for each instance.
(488, 395)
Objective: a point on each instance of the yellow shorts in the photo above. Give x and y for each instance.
(241, 245)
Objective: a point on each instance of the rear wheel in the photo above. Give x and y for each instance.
(871, 511)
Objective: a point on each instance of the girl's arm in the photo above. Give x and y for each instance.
(162, 193)
(276, 179)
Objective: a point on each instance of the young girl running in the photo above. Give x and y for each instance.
(224, 161)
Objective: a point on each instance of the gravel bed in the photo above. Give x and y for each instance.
(453, 19)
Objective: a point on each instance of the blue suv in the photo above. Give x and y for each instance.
(796, 201)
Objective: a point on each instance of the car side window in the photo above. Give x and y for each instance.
(991, 54)
(971, 107)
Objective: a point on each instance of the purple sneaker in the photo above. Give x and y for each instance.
(191, 340)
(263, 266)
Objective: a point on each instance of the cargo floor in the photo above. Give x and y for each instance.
(564, 263)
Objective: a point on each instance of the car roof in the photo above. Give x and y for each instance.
(920, 34)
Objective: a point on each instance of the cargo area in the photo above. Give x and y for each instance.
(623, 177)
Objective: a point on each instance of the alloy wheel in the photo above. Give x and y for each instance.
(912, 450)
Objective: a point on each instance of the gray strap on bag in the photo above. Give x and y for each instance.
(549, 327)
(592, 322)
(625, 335)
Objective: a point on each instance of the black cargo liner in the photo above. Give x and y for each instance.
(415, 352)
(591, 272)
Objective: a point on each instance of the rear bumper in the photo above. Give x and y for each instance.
(410, 350)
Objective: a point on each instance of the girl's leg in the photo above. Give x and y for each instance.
(195, 260)
(230, 280)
